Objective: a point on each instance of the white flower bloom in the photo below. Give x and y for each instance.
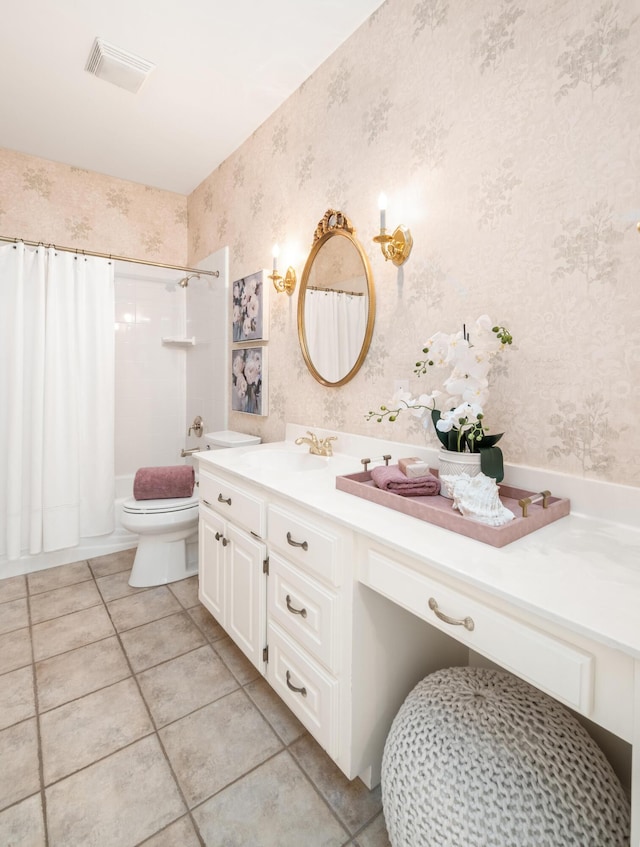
(472, 362)
(469, 389)
(428, 399)
(463, 417)
(458, 348)
(438, 346)
(446, 422)
(476, 393)
(468, 358)
(468, 410)
(400, 398)
(483, 338)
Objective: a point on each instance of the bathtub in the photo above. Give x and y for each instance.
(89, 548)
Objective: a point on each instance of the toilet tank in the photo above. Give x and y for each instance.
(229, 438)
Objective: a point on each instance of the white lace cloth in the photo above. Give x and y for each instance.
(479, 757)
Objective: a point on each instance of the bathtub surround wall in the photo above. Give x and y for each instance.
(151, 377)
(207, 302)
(504, 134)
(162, 386)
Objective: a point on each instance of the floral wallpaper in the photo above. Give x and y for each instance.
(51, 202)
(504, 134)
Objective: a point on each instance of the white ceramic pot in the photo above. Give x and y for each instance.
(452, 465)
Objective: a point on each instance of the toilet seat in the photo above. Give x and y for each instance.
(157, 507)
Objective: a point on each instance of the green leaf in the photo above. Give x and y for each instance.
(442, 436)
(490, 440)
(452, 440)
(491, 462)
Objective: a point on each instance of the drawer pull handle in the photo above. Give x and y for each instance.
(301, 612)
(467, 623)
(302, 690)
(221, 499)
(220, 537)
(293, 543)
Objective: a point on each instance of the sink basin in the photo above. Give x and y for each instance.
(282, 461)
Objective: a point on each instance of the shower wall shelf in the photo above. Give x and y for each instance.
(179, 342)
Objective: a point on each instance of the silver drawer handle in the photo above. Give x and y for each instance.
(293, 543)
(221, 499)
(220, 537)
(302, 690)
(467, 623)
(301, 612)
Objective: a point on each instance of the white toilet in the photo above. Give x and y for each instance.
(167, 529)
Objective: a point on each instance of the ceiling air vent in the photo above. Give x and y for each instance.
(117, 66)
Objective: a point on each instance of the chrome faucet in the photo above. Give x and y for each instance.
(318, 446)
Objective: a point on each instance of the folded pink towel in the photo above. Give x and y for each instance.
(391, 478)
(161, 483)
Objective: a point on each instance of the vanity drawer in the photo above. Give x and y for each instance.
(305, 610)
(310, 692)
(306, 543)
(546, 662)
(240, 507)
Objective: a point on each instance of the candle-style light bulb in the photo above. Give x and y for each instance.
(275, 253)
(382, 205)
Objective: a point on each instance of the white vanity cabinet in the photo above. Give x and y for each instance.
(232, 563)
(308, 647)
(341, 657)
(592, 679)
(361, 602)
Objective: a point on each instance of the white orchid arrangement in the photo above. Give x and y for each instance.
(460, 428)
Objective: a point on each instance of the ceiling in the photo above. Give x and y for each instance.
(221, 69)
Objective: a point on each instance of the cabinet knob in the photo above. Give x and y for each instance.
(302, 690)
(293, 610)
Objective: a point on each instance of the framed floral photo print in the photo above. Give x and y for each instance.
(249, 380)
(250, 308)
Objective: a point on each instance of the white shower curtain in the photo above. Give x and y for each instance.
(335, 324)
(57, 406)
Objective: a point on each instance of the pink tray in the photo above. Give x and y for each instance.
(439, 510)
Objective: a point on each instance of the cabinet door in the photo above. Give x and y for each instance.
(211, 570)
(246, 594)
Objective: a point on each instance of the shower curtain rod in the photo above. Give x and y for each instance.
(334, 290)
(110, 256)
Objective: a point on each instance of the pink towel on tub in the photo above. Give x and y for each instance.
(162, 483)
(391, 478)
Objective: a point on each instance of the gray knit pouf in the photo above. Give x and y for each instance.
(479, 757)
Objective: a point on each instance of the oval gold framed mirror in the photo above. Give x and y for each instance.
(336, 303)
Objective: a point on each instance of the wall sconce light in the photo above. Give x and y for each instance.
(397, 246)
(288, 284)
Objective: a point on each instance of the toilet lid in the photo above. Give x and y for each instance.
(170, 504)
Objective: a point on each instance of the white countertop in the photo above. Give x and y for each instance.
(582, 572)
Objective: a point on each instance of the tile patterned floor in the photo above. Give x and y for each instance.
(128, 717)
